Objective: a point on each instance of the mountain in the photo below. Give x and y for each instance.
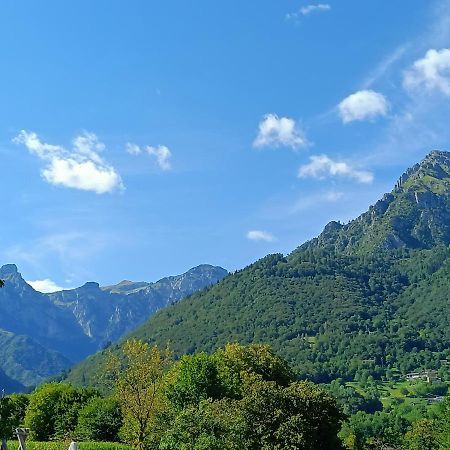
(415, 215)
(8, 384)
(43, 334)
(106, 313)
(369, 297)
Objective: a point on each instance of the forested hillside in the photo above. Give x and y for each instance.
(365, 297)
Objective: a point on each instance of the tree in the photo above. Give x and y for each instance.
(100, 420)
(300, 415)
(139, 386)
(235, 360)
(53, 410)
(424, 435)
(211, 425)
(15, 406)
(192, 379)
(267, 417)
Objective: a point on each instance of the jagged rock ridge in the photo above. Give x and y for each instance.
(416, 214)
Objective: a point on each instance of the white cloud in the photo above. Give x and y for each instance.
(259, 235)
(321, 166)
(363, 105)
(308, 9)
(82, 167)
(276, 131)
(320, 7)
(46, 286)
(133, 149)
(432, 72)
(161, 153)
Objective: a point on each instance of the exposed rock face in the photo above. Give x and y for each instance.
(105, 314)
(416, 214)
(42, 334)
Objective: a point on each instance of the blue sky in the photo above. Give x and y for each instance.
(141, 138)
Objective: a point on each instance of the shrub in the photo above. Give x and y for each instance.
(99, 420)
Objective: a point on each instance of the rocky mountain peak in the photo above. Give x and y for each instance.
(432, 170)
(8, 269)
(416, 214)
(12, 276)
(90, 285)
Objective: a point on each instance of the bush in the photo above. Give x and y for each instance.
(32, 445)
(53, 410)
(12, 413)
(426, 389)
(99, 420)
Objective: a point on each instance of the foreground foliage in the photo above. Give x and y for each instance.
(33, 445)
(239, 397)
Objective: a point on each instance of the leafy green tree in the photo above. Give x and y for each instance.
(53, 410)
(41, 412)
(140, 384)
(192, 379)
(423, 389)
(12, 413)
(17, 406)
(235, 361)
(99, 420)
(352, 401)
(201, 376)
(424, 435)
(244, 397)
(211, 425)
(300, 415)
(362, 430)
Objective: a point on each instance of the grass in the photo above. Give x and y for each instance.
(13, 445)
(392, 391)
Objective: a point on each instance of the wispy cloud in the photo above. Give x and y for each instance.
(363, 105)
(69, 249)
(259, 235)
(385, 65)
(322, 166)
(274, 131)
(319, 7)
(162, 154)
(310, 201)
(309, 9)
(80, 167)
(46, 286)
(133, 149)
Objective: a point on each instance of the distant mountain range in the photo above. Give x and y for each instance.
(370, 297)
(43, 334)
